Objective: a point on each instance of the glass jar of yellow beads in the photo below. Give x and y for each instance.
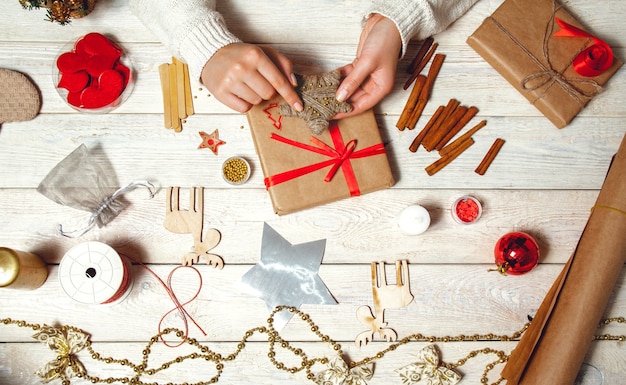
(236, 170)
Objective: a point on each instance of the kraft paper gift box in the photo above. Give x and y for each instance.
(303, 170)
(518, 41)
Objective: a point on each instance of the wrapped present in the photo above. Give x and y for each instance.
(303, 170)
(543, 51)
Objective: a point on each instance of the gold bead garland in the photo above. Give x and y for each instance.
(73, 367)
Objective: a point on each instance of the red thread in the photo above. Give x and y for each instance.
(124, 285)
(278, 123)
(178, 305)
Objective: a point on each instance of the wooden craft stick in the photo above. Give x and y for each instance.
(164, 75)
(180, 88)
(466, 135)
(489, 157)
(411, 102)
(188, 97)
(421, 65)
(458, 126)
(442, 162)
(420, 55)
(176, 124)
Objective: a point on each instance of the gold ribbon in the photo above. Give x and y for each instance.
(609, 208)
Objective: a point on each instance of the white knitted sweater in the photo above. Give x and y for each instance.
(193, 31)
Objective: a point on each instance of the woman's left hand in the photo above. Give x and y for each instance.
(371, 76)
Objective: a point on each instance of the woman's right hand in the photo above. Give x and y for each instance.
(241, 75)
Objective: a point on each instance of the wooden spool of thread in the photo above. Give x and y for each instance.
(94, 273)
(21, 270)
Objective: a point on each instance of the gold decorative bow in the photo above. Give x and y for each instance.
(428, 370)
(339, 374)
(66, 342)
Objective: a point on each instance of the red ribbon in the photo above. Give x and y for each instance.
(595, 59)
(340, 157)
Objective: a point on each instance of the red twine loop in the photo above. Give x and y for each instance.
(592, 61)
(180, 307)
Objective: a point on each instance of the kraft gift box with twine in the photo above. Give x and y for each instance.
(523, 41)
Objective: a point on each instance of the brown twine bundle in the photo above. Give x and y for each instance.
(319, 101)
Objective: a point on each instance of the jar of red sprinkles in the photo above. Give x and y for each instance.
(466, 210)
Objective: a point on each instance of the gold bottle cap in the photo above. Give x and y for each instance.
(9, 266)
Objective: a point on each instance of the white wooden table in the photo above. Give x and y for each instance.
(543, 182)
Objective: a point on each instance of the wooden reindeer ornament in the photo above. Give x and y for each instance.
(385, 297)
(191, 221)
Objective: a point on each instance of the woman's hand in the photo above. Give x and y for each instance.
(371, 76)
(241, 75)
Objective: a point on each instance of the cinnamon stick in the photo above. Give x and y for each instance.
(444, 127)
(420, 54)
(433, 72)
(416, 114)
(489, 157)
(458, 126)
(466, 135)
(421, 65)
(417, 142)
(424, 95)
(445, 112)
(442, 162)
(411, 102)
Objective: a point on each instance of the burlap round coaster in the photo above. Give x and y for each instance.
(19, 97)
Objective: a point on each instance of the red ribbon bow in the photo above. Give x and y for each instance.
(595, 59)
(340, 157)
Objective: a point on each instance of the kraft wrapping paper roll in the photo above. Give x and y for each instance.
(553, 348)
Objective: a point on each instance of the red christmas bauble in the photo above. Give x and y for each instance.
(516, 253)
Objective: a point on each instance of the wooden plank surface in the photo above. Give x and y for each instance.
(544, 182)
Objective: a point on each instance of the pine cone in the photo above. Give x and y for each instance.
(59, 12)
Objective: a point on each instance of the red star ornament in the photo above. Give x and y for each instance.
(210, 141)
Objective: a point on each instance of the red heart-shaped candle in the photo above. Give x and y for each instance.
(92, 72)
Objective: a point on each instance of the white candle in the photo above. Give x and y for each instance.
(414, 220)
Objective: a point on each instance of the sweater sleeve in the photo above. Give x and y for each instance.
(191, 29)
(420, 18)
